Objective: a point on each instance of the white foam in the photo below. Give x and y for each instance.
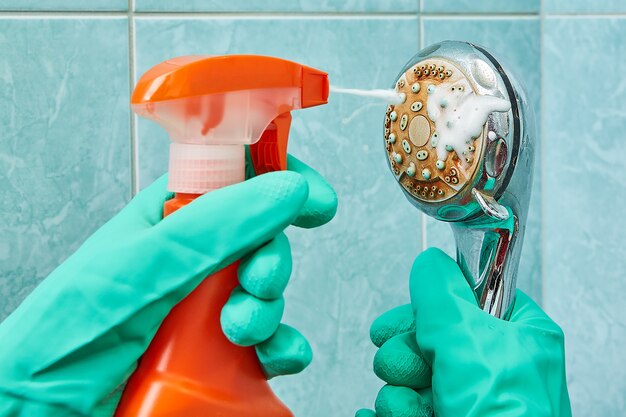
(459, 115)
(388, 96)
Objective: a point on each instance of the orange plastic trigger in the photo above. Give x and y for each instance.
(270, 152)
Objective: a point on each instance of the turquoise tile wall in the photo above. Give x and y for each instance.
(584, 6)
(64, 5)
(70, 158)
(483, 6)
(64, 143)
(584, 197)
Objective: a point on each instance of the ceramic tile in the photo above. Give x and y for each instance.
(585, 194)
(345, 274)
(64, 5)
(278, 6)
(516, 42)
(481, 6)
(584, 6)
(64, 147)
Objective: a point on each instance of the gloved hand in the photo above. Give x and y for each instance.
(79, 334)
(443, 354)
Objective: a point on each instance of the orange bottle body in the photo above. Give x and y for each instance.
(191, 369)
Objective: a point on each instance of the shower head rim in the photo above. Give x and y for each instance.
(461, 55)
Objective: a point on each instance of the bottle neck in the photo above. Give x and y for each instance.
(180, 200)
(199, 169)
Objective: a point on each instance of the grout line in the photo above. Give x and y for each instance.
(192, 14)
(423, 225)
(540, 151)
(337, 14)
(468, 13)
(299, 15)
(481, 16)
(62, 13)
(421, 26)
(37, 15)
(284, 16)
(134, 146)
(584, 15)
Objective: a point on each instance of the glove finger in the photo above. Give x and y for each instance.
(286, 352)
(265, 273)
(395, 401)
(392, 323)
(426, 395)
(321, 205)
(247, 320)
(449, 323)
(400, 362)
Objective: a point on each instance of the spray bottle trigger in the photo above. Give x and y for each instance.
(270, 152)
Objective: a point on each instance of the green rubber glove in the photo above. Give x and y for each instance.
(252, 314)
(442, 354)
(68, 347)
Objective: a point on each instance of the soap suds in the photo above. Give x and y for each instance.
(459, 116)
(388, 96)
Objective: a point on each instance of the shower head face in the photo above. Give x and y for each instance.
(454, 144)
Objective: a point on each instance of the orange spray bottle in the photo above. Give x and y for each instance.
(211, 107)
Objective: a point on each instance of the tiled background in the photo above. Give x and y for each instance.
(71, 156)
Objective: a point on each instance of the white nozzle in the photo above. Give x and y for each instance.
(198, 169)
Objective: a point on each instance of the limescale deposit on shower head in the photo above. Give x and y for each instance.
(459, 115)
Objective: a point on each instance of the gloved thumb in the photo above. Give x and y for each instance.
(437, 285)
(443, 303)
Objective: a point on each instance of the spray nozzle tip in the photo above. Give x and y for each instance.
(388, 96)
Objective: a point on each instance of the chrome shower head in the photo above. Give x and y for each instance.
(460, 146)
